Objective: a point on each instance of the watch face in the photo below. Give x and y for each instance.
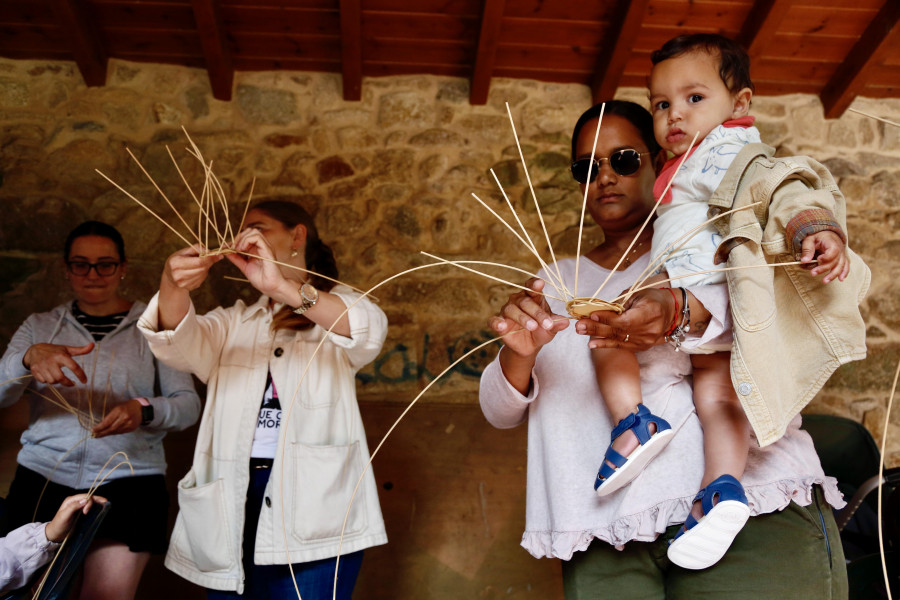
(309, 293)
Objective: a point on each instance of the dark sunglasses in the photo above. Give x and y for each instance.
(624, 162)
(81, 268)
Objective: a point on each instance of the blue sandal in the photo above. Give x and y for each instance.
(700, 544)
(626, 468)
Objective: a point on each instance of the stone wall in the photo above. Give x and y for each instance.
(387, 177)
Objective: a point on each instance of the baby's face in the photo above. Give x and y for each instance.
(688, 96)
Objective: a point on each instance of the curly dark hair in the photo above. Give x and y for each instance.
(734, 63)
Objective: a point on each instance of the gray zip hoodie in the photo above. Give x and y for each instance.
(119, 368)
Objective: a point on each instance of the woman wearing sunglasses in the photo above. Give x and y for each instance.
(91, 352)
(615, 546)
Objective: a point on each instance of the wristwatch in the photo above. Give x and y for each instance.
(309, 295)
(146, 411)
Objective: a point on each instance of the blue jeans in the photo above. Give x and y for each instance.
(315, 579)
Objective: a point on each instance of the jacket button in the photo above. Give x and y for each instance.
(268, 502)
(744, 389)
(279, 352)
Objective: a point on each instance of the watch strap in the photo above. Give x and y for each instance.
(146, 411)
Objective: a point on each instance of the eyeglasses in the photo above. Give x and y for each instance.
(82, 269)
(624, 162)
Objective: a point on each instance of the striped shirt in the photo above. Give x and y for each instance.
(98, 327)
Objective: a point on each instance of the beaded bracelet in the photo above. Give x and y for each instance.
(676, 337)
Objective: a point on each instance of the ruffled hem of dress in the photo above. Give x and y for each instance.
(647, 525)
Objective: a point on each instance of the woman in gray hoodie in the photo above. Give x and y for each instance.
(115, 398)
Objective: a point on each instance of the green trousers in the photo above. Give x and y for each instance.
(794, 554)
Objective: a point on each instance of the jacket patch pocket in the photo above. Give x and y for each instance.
(325, 479)
(206, 523)
(751, 289)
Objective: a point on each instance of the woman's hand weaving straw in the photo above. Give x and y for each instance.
(260, 268)
(187, 268)
(644, 322)
(530, 312)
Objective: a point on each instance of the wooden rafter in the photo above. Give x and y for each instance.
(850, 78)
(795, 45)
(216, 52)
(84, 38)
(351, 48)
(488, 39)
(762, 24)
(612, 61)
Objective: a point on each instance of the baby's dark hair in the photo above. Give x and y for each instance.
(734, 63)
(635, 114)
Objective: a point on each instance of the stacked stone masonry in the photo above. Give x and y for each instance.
(387, 177)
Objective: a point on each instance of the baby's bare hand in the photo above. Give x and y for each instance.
(827, 249)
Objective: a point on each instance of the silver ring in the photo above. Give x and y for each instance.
(626, 337)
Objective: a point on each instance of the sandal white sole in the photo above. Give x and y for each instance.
(636, 463)
(706, 542)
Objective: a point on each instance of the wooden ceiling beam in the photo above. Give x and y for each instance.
(351, 48)
(84, 38)
(216, 50)
(486, 56)
(762, 24)
(849, 79)
(611, 63)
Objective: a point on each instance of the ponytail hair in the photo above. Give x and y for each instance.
(319, 256)
(320, 259)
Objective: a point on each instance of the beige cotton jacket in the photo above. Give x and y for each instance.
(322, 450)
(791, 331)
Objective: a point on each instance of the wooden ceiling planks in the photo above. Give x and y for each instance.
(837, 21)
(589, 12)
(828, 47)
(158, 16)
(159, 31)
(420, 26)
(142, 45)
(459, 8)
(251, 5)
(430, 37)
(668, 18)
(273, 48)
(275, 20)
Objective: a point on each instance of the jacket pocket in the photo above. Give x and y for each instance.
(206, 523)
(325, 479)
(751, 289)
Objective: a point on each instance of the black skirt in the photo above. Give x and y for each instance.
(137, 518)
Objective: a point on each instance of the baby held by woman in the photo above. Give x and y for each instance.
(700, 85)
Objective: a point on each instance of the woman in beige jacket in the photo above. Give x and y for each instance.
(272, 487)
